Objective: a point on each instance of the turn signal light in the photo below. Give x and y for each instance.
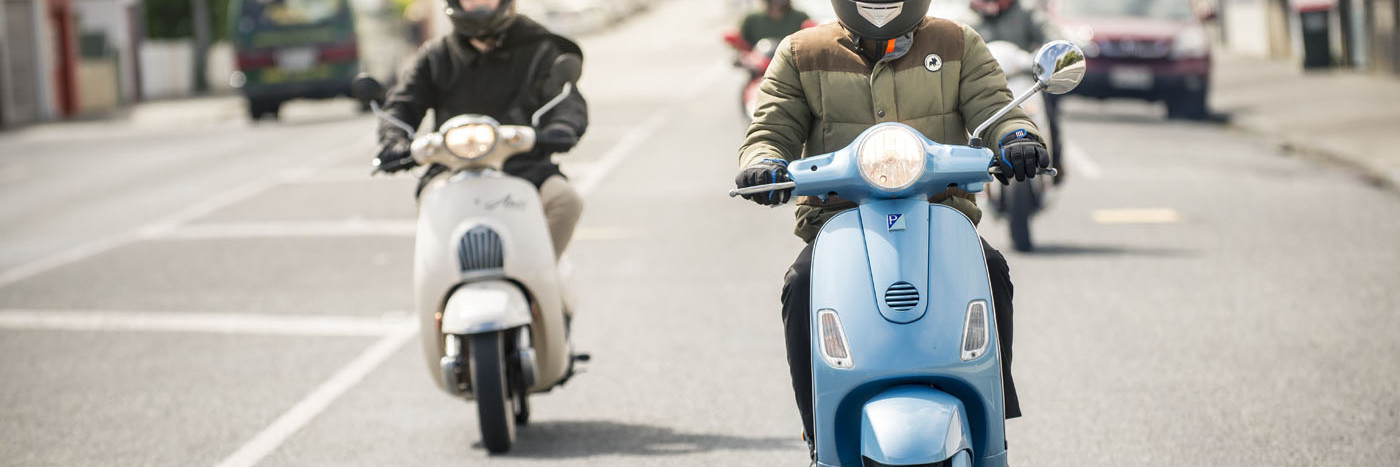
(975, 331)
(833, 347)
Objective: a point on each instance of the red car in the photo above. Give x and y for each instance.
(1155, 50)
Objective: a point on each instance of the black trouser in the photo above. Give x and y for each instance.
(797, 299)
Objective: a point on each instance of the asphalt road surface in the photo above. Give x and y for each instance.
(194, 289)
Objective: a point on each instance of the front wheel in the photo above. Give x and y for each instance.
(495, 404)
(1020, 204)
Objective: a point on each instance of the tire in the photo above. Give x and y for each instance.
(259, 108)
(1190, 106)
(495, 405)
(256, 109)
(1020, 199)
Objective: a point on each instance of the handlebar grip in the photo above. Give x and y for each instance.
(1052, 172)
(761, 188)
(395, 166)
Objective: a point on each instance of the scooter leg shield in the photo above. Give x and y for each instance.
(913, 425)
(485, 307)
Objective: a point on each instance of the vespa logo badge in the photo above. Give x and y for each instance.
(895, 222)
(933, 63)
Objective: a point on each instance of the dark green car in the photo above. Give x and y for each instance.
(292, 49)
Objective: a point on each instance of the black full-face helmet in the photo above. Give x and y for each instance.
(880, 19)
(481, 22)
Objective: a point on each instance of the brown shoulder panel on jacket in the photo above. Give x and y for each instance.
(826, 48)
(935, 36)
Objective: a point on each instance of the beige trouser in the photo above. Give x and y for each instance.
(562, 207)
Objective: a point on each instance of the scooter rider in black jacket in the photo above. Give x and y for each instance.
(495, 63)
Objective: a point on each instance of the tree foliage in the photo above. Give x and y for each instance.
(174, 19)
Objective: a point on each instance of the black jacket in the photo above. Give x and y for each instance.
(508, 83)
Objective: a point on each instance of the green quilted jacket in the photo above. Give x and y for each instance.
(820, 93)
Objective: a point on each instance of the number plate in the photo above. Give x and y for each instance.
(1125, 77)
(297, 59)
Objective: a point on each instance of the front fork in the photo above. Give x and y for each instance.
(456, 361)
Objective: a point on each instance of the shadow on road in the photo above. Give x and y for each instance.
(1050, 250)
(569, 439)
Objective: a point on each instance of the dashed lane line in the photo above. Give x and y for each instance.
(1137, 216)
(190, 322)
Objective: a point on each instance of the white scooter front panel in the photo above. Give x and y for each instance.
(486, 226)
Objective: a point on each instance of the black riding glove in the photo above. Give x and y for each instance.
(763, 173)
(394, 156)
(1022, 154)
(556, 137)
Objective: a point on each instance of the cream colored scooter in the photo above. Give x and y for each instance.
(493, 303)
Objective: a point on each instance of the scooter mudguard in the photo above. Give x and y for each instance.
(485, 306)
(913, 425)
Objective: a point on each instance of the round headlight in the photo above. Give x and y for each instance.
(470, 141)
(891, 158)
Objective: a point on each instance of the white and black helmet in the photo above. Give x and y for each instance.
(880, 19)
(481, 22)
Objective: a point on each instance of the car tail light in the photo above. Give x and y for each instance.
(336, 53)
(257, 59)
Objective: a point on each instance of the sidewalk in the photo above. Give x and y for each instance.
(1343, 116)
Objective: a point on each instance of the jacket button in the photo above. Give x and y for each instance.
(880, 113)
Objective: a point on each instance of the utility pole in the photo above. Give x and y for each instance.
(200, 11)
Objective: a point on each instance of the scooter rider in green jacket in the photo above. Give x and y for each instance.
(883, 61)
(495, 63)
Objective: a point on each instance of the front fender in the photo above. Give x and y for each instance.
(913, 425)
(485, 306)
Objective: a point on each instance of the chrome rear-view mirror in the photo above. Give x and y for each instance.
(1059, 67)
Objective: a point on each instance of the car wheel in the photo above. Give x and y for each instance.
(1189, 106)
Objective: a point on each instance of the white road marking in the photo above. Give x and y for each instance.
(1078, 161)
(211, 323)
(1137, 216)
(169, 223)
(269, 439)
(619, 152)
(644, 131)
(296, 229)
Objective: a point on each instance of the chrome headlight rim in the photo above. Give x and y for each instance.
(459, 150)
(909, 145)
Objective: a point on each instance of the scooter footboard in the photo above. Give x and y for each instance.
(913, 425)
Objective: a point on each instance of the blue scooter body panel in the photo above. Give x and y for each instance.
(942, 257)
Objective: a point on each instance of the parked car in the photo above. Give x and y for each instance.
(292, 49)
(1154, 50)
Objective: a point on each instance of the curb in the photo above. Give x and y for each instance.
(1371, 175)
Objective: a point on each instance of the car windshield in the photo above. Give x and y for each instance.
(1173, 10)
(290, 13)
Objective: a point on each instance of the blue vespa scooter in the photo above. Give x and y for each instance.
(908, 372)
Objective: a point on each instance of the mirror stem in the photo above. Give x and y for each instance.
(373, 105)
(977, 134)
(548, 106)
